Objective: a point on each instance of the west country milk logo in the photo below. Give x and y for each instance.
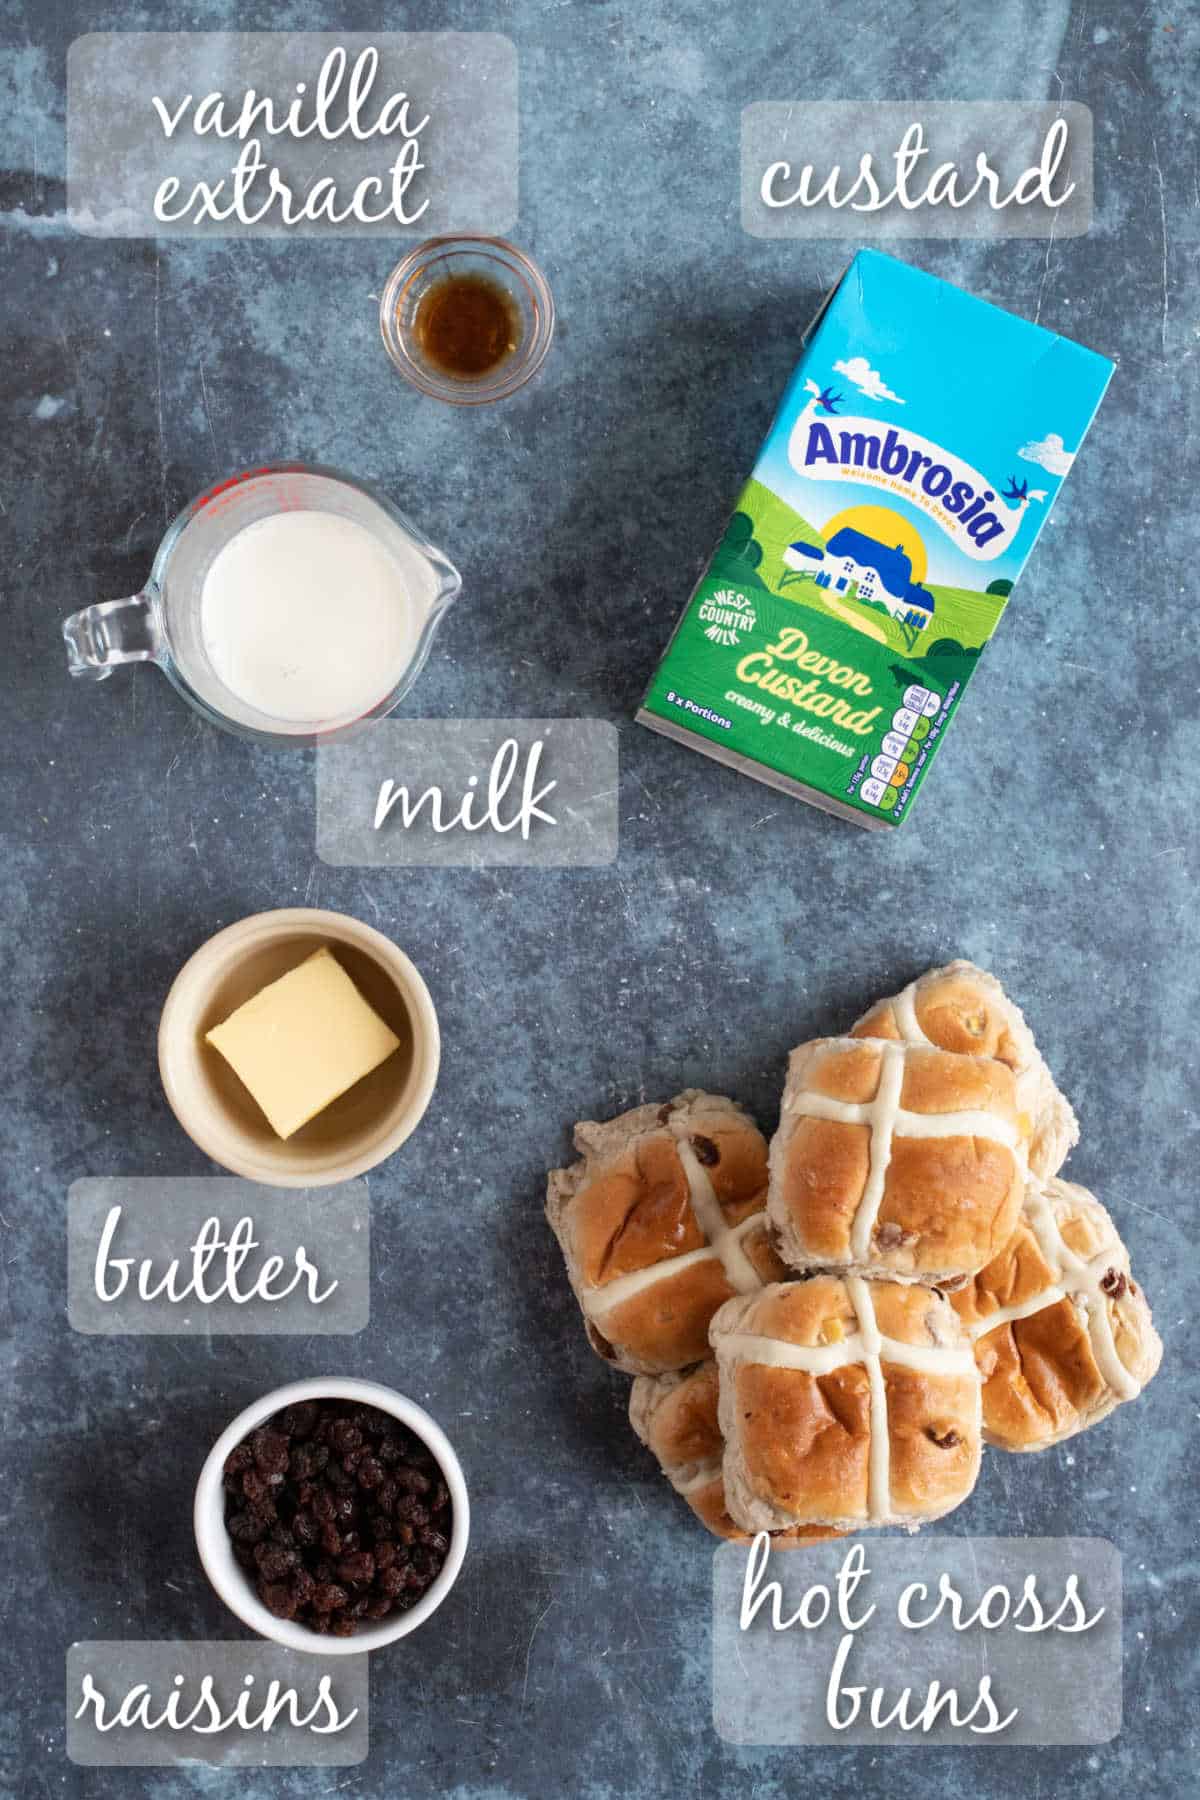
(726, 615)
(826, 445)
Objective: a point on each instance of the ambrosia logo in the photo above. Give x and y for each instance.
(725, 615)
(957, 496)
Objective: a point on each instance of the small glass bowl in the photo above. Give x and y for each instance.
(500, 262)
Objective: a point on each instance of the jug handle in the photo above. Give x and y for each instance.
(116, 631)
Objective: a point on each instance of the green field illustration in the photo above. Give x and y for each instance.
(753, 552)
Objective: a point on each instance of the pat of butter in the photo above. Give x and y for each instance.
(302, 1041)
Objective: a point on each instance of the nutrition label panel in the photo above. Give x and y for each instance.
(901, 754)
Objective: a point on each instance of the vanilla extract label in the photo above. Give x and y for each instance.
(201, 1255)
(300, 133)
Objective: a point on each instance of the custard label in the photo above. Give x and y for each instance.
(915, 456)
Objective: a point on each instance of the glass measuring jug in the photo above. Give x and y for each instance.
(165, 622)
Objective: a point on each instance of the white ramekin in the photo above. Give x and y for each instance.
(216, 1549)
(359, 1130)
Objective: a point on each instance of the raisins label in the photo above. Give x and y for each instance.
(149, 1704)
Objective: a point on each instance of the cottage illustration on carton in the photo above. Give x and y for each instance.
(861, 567)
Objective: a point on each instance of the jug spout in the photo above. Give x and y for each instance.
(116, 631)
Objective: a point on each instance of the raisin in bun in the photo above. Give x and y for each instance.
(845, 1403)
(1062, 1332)
(964, 1009)
(676, 1418)
(660, 1221)
(895, 1160)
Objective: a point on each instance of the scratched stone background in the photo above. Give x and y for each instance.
(1056, 843)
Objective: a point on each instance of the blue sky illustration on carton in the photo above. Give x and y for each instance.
(908, 350)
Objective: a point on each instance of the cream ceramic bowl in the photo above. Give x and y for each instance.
(216, 1549)
(218, 1113)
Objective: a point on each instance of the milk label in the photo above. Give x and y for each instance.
(916, 454)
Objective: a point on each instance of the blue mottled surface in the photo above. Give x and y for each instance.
(1056, 843)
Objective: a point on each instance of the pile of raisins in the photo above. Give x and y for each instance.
(337, 1514)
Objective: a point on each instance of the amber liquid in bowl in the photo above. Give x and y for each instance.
(466, 325)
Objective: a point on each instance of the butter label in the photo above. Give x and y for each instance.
(914, 459)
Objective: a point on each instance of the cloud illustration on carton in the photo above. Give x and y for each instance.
(1051, 453)
(867, 380)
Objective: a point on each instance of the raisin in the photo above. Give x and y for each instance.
(706, 1151)
(303, 1587)
(412, 1480)
(239, 1459)
(328, 1597)
(344, 1436)
(945, 1440)
(1113, 1283)
(370, 1472)
(308, 1460)
(248, 1527)
(278, 1597)
(890, 1236)
(270, 1452)
(298, 1420)
(357, 1568)
(274, 1562)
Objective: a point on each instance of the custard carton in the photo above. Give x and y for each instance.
(913, 461)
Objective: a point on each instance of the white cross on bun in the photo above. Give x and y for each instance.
(845, 1403)
(1062, 1332)
(660, 1222)
(895, 1160)
(964, 1009)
